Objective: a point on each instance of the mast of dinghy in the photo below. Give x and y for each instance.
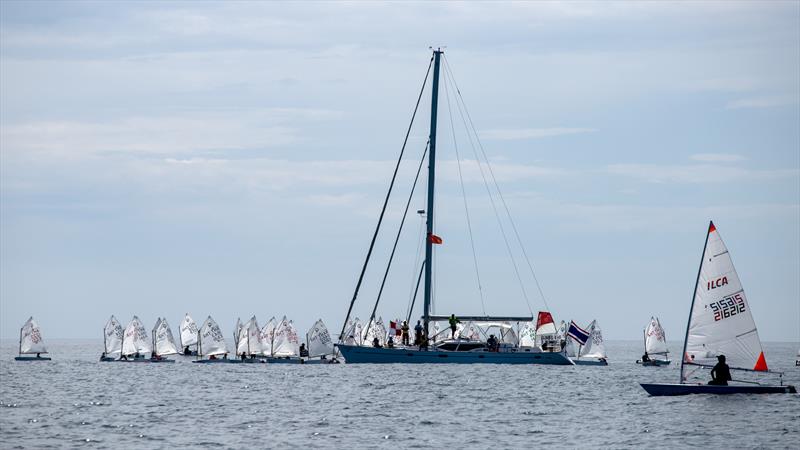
(694, 294)
(431, 178)
(20, 340)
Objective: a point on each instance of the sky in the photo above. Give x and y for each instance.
(231, 159)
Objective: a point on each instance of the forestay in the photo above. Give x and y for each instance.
(267, 336)
(655, 339)
(720, 322)
(164, 342)
(113, 333)
(319, 340)
(594, 347)
(188, 331)
(286, 341)
(134, 340)
(30, 338)
(211, 341)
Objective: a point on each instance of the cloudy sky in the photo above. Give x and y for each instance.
(231, 159)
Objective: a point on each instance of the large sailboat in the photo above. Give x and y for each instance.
(428, 350)
(720, 327)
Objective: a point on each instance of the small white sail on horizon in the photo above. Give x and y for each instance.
(319, 340)
(655, 342)
(112, 336)
(30, 338)
(249, 338)
(188, 332)
(134, 339)
(267, 337)
(594, 347)
(720, 321)
(210, 339)
(163, 341)
(286, 341)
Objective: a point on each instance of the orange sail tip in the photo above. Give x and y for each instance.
(711, 227)
(761, 364)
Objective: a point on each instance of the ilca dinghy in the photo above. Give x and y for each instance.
(163, 343)
(31, 343)
(720, 328)
(655, 345)
(112, 340)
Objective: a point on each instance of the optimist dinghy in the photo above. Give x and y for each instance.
(211, 346)
(249, 346)
(135, 344)
(320, 345)
(655, 345)
(286, 347)
(187, 333)
(593, 352)
(31, 343)
(112, 340)
(163, 342)
(720, 324)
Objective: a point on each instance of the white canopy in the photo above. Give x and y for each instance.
(163, 341)
(721, 322)
(319, 340)
(470, 331)
(655, 341)
(188, 331)
(286, 341)
(211, 341)
(135, 339)
(113, 333)
(508, 335)
(30, 338)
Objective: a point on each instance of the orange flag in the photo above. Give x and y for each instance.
(434, 239)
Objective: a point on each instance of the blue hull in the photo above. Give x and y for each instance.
(288, 360)
(215, 361)
(370, 355)
(658, 389)
(32, 358)
(590, 362)
(654, 362)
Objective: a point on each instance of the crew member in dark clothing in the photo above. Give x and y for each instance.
(418, 333)
(492, 343)
(721, 373)
(390, 342)
(186, 351)
(376, 342)
(303, 351)
(645, 357)
(453, 321)
(405, 331)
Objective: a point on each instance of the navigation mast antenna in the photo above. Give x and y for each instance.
(431, 178)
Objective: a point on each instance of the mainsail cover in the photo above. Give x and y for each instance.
(135, 338)
(594, 347)
(164, 341)
(655, 340)
(319, 340)
(188, 331)
(720, 322)
(211, 341)
(268, 337)
(286, 341)
(31, 338)
(113, 336)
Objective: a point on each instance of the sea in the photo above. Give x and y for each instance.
(75, 401)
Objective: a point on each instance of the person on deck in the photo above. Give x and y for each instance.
(303, 351)
(453, 321)
(721, 373)
(418, 333)
(491, 343)
(645, 357)
(404, 329)
(376, 342)
(390, 342)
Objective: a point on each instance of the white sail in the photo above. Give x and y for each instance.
(286, 341)
(113, 333)
(268, 337)
(655, 341)
(238, 333)
(571, 350)
(720, 322)
(135, 339)
(211, 341)
(376, 330)
(594, 347)
(188, 331)
(508, 335)
(250, 338)
(353, 335)
(527, 335)
(545, 328)
(164, 341)
(30, 338)
(319, 340)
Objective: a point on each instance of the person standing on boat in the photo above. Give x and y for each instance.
(721, 373)
(453, 321)
(404, 330)
(418, 334)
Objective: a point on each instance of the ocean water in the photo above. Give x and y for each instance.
(76, 401)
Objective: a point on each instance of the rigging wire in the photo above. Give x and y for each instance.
(397, 239)
(412, 292)
(464, 194)
(385, 202)
(497, 186)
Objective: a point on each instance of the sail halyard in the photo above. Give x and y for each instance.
(431, 184)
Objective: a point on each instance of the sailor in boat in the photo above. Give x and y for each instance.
(645, 358)
(405, 329)
(303, 351)
(721, 373)
(453, 325)
(390, 342)
(492, 344)
(376, 342)
(186, 351)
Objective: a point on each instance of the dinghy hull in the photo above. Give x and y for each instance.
(354, 354)
(590, 362)
(659, 389)
(215, 361)
(654, 362)
(285, 360)
(32, 358)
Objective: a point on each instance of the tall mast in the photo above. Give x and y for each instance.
(431, 176)
(694, 295)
